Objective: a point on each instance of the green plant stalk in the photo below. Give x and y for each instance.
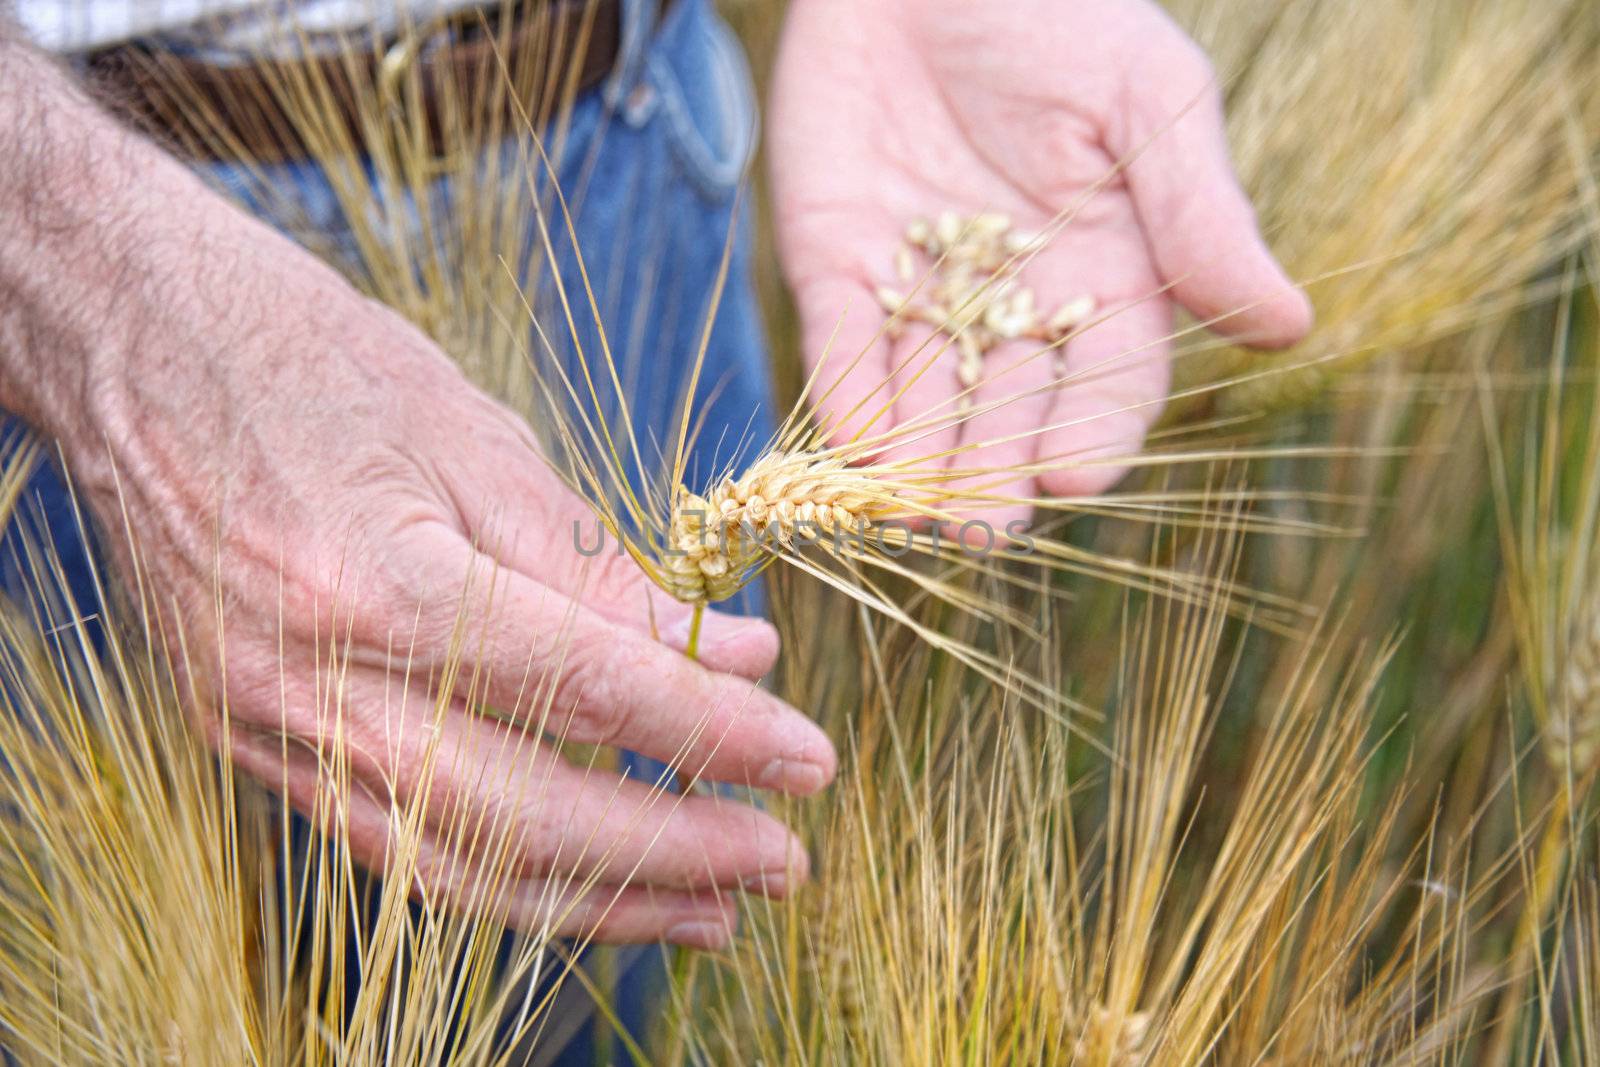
(684, 961)
(693, 649)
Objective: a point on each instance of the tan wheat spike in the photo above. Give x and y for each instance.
(715, 539)
(1574, 730)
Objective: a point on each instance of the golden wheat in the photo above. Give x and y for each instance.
(983, 901)
(1473, 196)
(781, 499)
(1574, 732)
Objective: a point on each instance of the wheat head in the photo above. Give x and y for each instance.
(718, 540)
(1574, 731)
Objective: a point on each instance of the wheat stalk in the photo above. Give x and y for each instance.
(983, 904)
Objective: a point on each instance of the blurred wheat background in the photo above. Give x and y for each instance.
(1319, 789)
(1369, 843)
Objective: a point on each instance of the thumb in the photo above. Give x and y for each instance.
(735, 644)
(619, 592)
(595, 571)
(1199, 224)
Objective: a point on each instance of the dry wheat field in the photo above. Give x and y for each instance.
(1281, 751)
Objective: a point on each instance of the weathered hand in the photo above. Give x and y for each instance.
(899, 109)
(302, 463)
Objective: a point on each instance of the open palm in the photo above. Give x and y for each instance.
(899, 109)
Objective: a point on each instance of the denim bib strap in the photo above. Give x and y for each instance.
(638, 28)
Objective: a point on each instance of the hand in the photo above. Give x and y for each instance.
(310, 449)
(302, 463)
(889, 111)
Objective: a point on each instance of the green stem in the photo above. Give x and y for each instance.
(693, 651)
(684, 961)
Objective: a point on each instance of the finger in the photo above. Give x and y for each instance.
(583, 820)
(472, 876)
(614, 588)
(484, 780)
(924, 388)
(847, 356)
(1117, 373)
(506, 636)
(625, 830)
(1199, 223)
(629, 916)
(1013, 396)
(618, 689)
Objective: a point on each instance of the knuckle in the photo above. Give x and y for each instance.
(250, 694)
(253, 691)
(546, 819)
(617, 582)
(592, 689)
(403, 585)
(365, 586)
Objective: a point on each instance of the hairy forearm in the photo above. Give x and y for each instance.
(100, 228)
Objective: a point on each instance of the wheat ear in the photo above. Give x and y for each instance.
(717, 540)
(1574, 732)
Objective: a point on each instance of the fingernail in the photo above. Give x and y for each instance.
(699, 934)
(768, 885)
(792, 776)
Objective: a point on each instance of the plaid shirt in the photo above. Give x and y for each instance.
(220, 29)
